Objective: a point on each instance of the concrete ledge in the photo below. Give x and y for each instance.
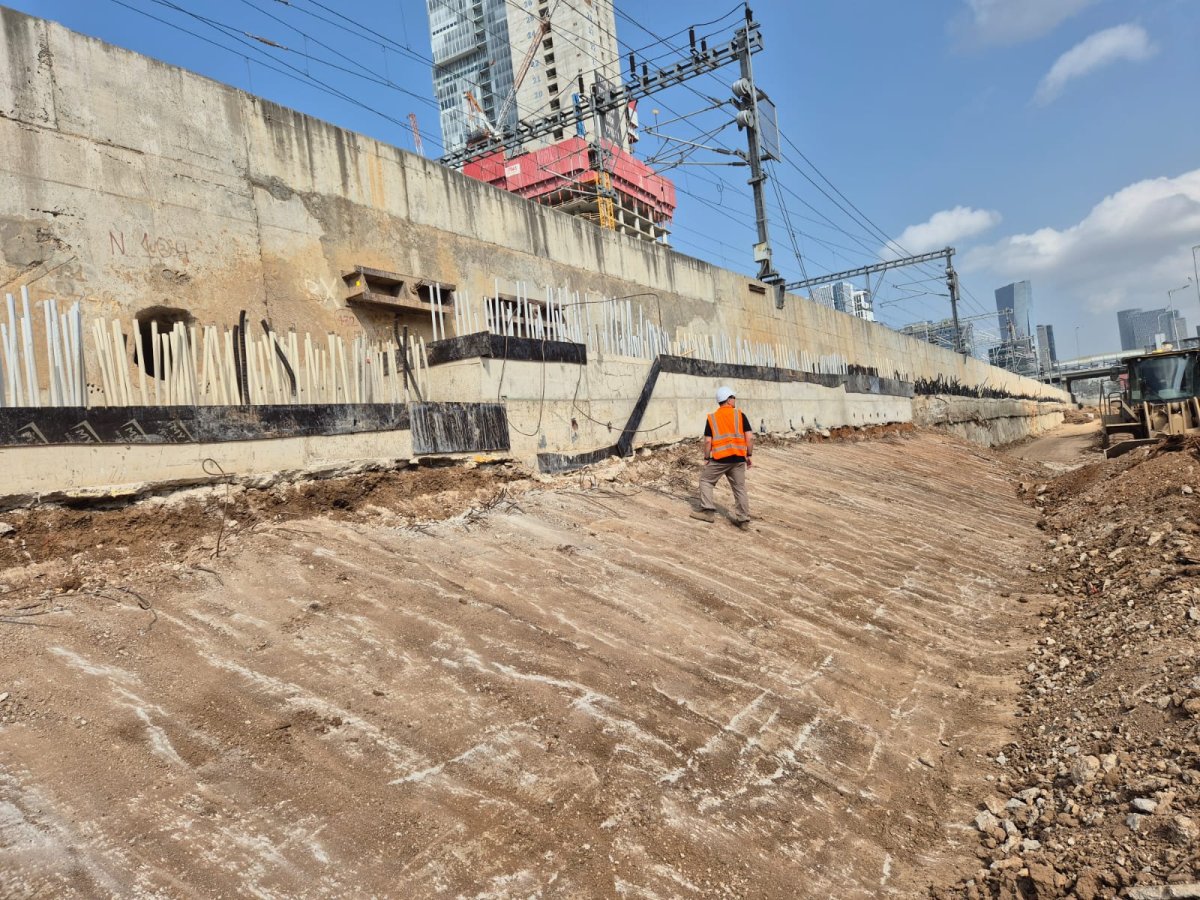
(494, 346)
(853, 382)
(43, 474)
(441, 427)
(192, 424)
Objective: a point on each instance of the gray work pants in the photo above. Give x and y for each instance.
(736, 473)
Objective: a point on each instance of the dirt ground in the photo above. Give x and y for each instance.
(470, 683)
(1098, 793)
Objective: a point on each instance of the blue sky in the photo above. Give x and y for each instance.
(1054, 140)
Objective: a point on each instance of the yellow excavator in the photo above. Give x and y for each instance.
(1158, 399)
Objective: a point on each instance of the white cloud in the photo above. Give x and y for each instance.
(1127, 251)
(1012, 21)
(944, 229)
(1124, 42)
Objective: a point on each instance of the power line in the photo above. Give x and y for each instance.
(862, 217)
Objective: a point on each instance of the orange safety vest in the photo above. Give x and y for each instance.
(728, 434)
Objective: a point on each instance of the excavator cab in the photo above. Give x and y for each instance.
(1158, 399)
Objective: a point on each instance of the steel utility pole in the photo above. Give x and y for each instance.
(947, 253)
(952, 284)
(746, 96)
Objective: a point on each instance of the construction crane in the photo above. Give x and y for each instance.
(416, 133)
(522, 71)
(946, 253)
(475, 110)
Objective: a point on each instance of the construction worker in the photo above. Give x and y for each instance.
(728, 447)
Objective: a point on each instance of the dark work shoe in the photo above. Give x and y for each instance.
(704, 515)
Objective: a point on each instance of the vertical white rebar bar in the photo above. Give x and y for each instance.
(61, 355)
(12, 355)
(52, 374)
(121, 359)
(33, 392)
(5, 381)
(139, 350)
(104, 356)
(347, 384)
(156, 355)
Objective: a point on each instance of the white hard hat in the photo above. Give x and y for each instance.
(724, 392)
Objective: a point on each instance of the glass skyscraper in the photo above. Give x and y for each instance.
(480, 46)
(1014, 310)
(1140, 328)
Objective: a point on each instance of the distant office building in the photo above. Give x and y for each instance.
(1172, 326)
(941, 334)
(1146, 329)
(863, 306)
(1014, 310)
(480, 45)
(843, 296)
(1126, 321)
(1046, 353)
(823, 294)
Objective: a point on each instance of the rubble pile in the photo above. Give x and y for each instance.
(1099, 796)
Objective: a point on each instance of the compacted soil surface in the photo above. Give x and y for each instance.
(468, 682)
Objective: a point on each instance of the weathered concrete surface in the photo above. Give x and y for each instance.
(590, 695)
(132, 183)
(990, 423)
(36, 474)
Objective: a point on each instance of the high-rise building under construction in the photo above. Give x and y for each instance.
(544, 47)
(498, 62)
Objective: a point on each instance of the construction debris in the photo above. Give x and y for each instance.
(1099, 792)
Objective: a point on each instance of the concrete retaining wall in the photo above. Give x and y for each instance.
(132, 183)
(129, 184)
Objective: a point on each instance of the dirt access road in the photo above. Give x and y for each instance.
(579, 692)
(1066, 447)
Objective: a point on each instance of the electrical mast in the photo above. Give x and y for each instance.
(947, 253)
(746, 98)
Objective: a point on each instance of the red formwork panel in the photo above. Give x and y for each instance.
(540, 172)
